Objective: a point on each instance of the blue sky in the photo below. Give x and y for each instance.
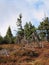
(32, 10)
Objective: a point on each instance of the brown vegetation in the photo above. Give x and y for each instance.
(27, 55)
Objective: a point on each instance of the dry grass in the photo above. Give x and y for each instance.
(19, 55)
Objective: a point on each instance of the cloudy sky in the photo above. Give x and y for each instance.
(32, 10)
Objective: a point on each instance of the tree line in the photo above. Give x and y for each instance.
(24, 34)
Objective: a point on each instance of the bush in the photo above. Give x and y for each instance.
(1, 39)
(7, 40)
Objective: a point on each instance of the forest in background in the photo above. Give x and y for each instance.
(24, 34)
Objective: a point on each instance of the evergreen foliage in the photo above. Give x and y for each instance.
(25, 33)
(28, 30)
(1, 39)
(44, 28)
(9, 36)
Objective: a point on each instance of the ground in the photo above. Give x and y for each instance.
(20, 54)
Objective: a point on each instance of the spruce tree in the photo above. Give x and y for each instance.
(9, 36)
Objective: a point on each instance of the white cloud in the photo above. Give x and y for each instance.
(8, 21)
(30, 1)
(38, 15)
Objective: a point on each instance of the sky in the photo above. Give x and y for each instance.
(31, 10)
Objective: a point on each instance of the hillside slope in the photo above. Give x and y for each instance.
(15, 54)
